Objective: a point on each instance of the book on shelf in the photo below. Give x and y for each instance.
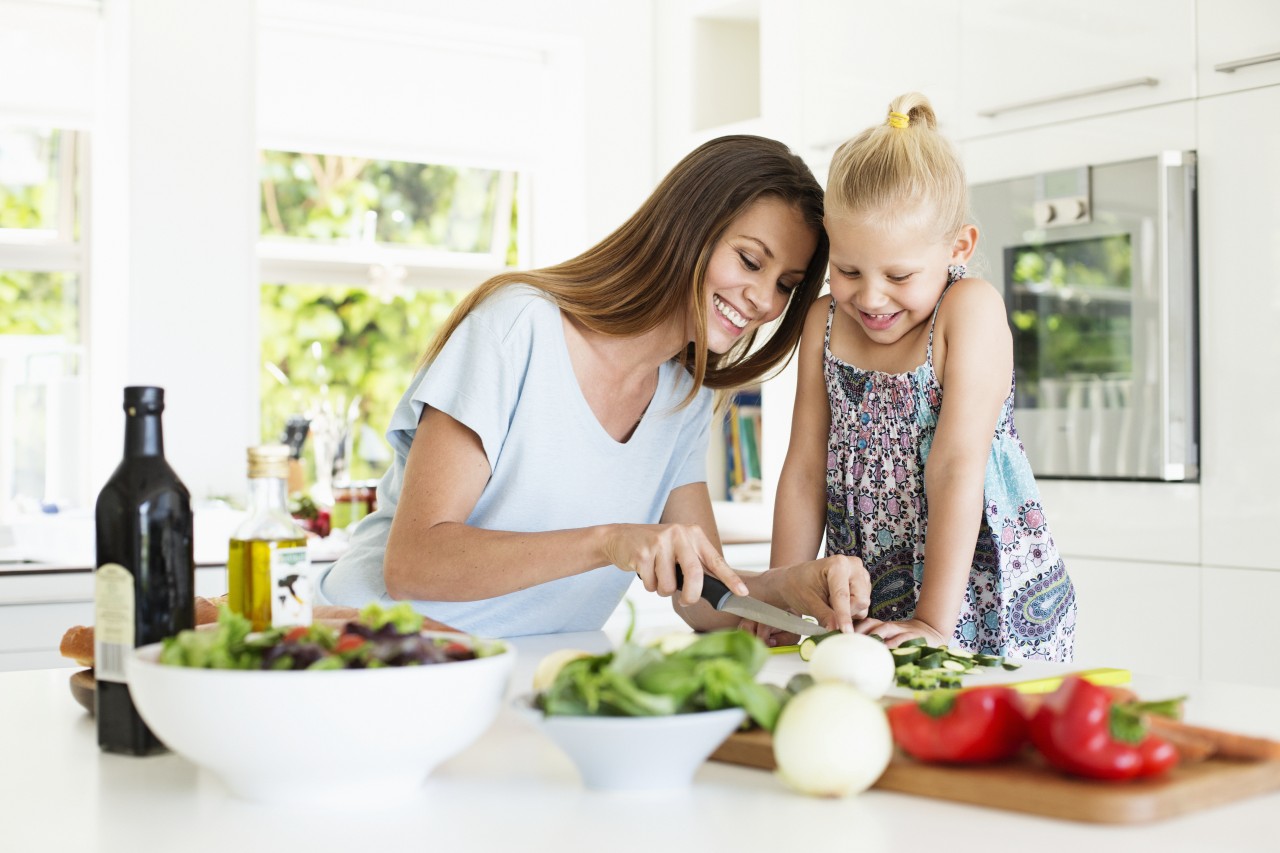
(742, 447)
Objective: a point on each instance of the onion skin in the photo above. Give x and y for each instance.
(862, 661)
(831, 741)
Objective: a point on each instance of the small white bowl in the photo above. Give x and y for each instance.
(329, 737)
(636, 753)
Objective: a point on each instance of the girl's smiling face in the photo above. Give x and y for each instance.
(759, 260)
(889, 275)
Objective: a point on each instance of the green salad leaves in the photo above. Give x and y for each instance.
(715, 671)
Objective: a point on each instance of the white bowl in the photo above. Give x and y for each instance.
(636, 753)
(352, 736)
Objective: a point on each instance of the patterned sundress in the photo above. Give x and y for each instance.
(1019, 600)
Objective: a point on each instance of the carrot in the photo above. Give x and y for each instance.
(1225, 744)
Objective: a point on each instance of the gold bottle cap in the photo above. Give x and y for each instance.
(269, 460)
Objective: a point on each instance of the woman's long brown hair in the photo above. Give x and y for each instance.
(654, 266)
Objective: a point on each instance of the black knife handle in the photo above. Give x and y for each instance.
(713, 589)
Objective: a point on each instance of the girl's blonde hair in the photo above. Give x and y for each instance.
(901, 168)
(654, 266)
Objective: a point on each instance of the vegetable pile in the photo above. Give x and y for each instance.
(377, 638)
(1080, 730)
(711, 672)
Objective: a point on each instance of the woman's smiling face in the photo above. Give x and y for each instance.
(761, 257)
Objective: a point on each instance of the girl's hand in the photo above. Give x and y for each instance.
(896, 633)
(835, 590)
(653, 550)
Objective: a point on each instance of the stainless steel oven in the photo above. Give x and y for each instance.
(1098, 269)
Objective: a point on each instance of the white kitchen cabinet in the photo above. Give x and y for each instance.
(1238, 44)
(856, 59)
(1239, 614)
(1239, 172)
(1144, 617)
(1024, 64)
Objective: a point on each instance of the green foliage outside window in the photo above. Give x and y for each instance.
(332, 345)
(367, 347)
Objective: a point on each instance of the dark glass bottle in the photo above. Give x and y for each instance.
(144, 586)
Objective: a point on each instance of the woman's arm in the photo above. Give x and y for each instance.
(800, 506)
(978, 367)
(834, 590)
(432, 553)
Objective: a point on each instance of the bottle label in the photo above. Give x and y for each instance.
(292, 592)
(113, 621)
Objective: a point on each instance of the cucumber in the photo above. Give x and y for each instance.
(931, 660)
(808, 644)
(914, 641)
(1011, 665)
(954, 666)
(961, 654)
(988, 660)
(903, 655)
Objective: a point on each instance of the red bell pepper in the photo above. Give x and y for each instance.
(1081, 731)
(974, 726)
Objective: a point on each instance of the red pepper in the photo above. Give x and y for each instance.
(975, 726)
(1081, 731)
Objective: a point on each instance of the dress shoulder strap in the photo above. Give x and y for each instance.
(955, 272)
(831, 313)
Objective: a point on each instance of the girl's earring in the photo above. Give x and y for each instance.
(956, 272)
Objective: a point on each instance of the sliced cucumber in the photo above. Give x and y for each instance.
(914, 641)
(807, 647)
(1011, 665)
(954, 666)
(988, 660)
(903, 654)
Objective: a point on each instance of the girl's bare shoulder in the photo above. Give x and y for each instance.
(976, 301)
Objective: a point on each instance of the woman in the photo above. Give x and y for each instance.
(554, 441)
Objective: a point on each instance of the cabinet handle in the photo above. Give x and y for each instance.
(1067, 96)
(1230, 67)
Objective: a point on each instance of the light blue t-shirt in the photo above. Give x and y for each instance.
(505, 373)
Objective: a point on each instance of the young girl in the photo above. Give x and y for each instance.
(937, 499)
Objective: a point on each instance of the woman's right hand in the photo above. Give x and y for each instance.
(653, 550)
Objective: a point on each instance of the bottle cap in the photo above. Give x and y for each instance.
(143, 400)
(269, 460)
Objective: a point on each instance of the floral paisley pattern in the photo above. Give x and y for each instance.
(1019, 600)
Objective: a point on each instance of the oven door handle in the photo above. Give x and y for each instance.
(1178, 357)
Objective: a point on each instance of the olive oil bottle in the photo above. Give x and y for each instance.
(144, 584)
(268, 572)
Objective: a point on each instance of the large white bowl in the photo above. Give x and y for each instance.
(636, 753)
(355, 736)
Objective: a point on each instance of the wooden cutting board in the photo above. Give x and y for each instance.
(1027, 786)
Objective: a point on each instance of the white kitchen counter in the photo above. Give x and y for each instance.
(514, 791)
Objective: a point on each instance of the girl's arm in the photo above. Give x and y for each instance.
(978, 369)
(432, 553)
(800, 507)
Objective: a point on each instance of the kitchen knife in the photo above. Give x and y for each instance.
(719, 596)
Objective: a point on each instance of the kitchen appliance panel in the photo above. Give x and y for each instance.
(1097, 268)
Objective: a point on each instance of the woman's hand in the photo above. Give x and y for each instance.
(895, 634)
(835, 590)
(653, 550)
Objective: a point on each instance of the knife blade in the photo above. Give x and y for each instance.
(721, 598)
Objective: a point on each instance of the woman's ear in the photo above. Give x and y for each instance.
(963, 247)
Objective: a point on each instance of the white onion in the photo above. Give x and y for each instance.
(831, 741)
(856, 659)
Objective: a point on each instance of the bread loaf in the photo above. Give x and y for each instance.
(77, 642)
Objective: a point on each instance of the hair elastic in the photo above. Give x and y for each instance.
(899, 120)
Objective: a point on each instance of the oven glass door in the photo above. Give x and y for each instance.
(1103, 317)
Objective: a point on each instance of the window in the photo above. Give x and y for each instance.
(362, 260)
(41, 354)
